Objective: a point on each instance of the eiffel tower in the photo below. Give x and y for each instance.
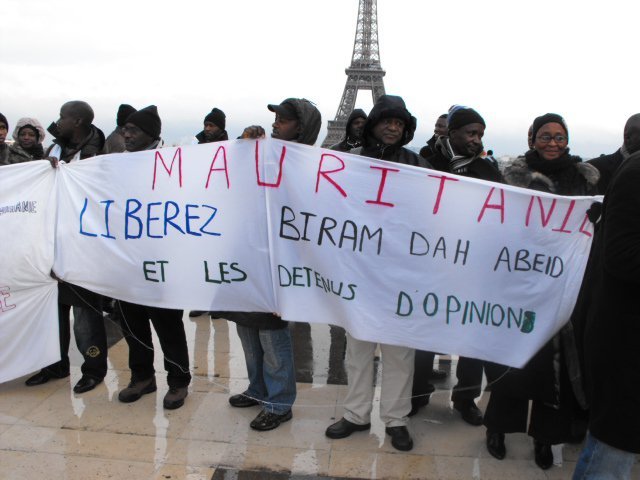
(365, 72)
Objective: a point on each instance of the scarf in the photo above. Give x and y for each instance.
(458, 164)
(549, 167)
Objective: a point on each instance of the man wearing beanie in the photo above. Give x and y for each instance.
(353, 134)
(214, 127)
(76, 138)
(460, 153)
(4, 129)
(388, 128)
(265, 337)
(115, 141)
(214, 131)
(142, 132)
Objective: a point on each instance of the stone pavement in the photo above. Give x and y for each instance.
(49, 432)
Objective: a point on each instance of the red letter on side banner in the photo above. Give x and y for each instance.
(325, 173)
(443, 179)
(213, 162)
(383, 179)
(545, 220)
(169, 169)
(265, 184)
(495, 206)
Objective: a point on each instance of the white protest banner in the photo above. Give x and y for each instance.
(28, 294)
(393, 253)
(415, 257)
(178, 228)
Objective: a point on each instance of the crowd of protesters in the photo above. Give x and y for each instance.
(566, 393)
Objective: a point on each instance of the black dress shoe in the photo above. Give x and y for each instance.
(196, 313)
(242, 401)
(469, 411)
(400, 438)
(417, 403)
(495, 445)
(43, 376)
(343, 428)
(86, 383)
(543, 454)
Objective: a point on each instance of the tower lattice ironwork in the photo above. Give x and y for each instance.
(364, 73)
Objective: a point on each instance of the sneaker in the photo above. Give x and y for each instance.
(136, 389)
(174, 398)
(400, 438)
(269, 420)
(241, 400)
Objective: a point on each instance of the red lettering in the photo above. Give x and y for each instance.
(169, 170)
(213, 162)
(443, 179)
(495, 206)
(4, 294)
(586, 222)
(544, 219)
(562, 229)
(282, 156)
(325, 173)
(383, 180)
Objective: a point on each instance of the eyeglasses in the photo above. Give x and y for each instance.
(548, 138)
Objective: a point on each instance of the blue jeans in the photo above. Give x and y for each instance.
(269, 357)
(599, 461)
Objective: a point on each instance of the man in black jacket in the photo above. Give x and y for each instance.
(76, 138)
(439, 129)
(265, 337)
(611, 324)
(142, 132)
(608, 164)
(459, 153)
(389, 127)
(214, 127)
(353, 133)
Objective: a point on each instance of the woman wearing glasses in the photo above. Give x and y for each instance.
(552, 378)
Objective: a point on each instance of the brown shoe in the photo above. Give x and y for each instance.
(175, 398)
(136, 389)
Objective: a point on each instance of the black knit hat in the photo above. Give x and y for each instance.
(124, 111)
(542, 120)
(3, 119)
(464, 116)
(147, 120)
(217, 117)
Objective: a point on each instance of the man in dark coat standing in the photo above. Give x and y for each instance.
(265, 337)
(353, 132)
(612, 330)
(608, 164)
(388, 129)
(460, 153)
(142, 132)
(76, 138)
(115, 140)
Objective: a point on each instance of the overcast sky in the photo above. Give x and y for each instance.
(511, 60)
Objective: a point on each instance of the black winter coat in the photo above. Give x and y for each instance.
(606, 165)
(611, 314)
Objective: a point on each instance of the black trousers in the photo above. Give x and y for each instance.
(469, 373)
(423, 363)
(91, 340)
(173, 341)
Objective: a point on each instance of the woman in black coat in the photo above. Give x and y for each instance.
(551, 378)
